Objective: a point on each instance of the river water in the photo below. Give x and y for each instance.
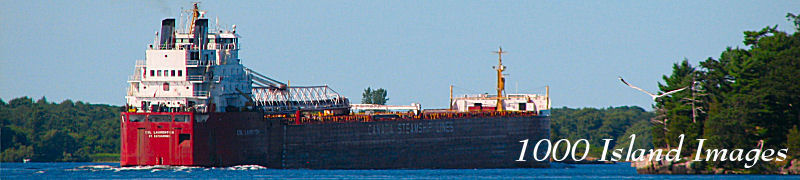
(113, 171)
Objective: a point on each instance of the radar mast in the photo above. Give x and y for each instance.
(501, 81)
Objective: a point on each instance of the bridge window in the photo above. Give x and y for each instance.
(152, 73)
(135, 118)
(173, 73)
(180, 73)
(181, 118)
(158, 72)
(159, 118)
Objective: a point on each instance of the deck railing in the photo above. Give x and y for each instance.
(195, 78)
(192, 62)
(200, 93)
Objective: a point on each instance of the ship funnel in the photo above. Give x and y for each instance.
(201, 33)
(167, 34)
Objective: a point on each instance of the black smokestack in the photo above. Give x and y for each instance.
(201, 33)
(167, 33)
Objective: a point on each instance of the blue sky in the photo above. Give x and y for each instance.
(85, 50)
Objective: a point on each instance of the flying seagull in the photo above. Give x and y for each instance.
(651, 94)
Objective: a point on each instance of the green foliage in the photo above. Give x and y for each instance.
(644, 137)
(793, 142)
(377, 96)
(16, 154)
(46, 131)
(616, 123)
(675, 112)
(742, 97)
(12, 137)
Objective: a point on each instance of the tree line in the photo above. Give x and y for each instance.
(739, 100)
(596, 124)
(49, 132)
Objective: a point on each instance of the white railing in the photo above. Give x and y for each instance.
(140, 63)
(209, 46)
(198, 63)
(160, 46)
(195, 78)
(298, 97)
(200, 94)
(223, 46)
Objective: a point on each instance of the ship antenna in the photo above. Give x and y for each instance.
(501, 86)
(180, 20)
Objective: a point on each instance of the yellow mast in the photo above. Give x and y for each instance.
(195, 15)
(501, 81)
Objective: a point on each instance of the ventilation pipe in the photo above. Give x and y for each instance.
(167, 34)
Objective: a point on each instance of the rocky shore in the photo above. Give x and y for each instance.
(686, 166)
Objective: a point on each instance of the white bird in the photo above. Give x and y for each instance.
(651, 94)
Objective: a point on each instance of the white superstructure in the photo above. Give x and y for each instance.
(511, 102)
(197, 69)
(190, 68)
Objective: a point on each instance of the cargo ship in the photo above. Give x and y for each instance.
(191, 102)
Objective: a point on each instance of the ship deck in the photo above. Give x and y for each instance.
(375, 117)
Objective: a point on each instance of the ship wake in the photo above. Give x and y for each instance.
(157, 168)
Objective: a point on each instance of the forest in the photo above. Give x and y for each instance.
(747, 98)
(68, 131)
(596, 124)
